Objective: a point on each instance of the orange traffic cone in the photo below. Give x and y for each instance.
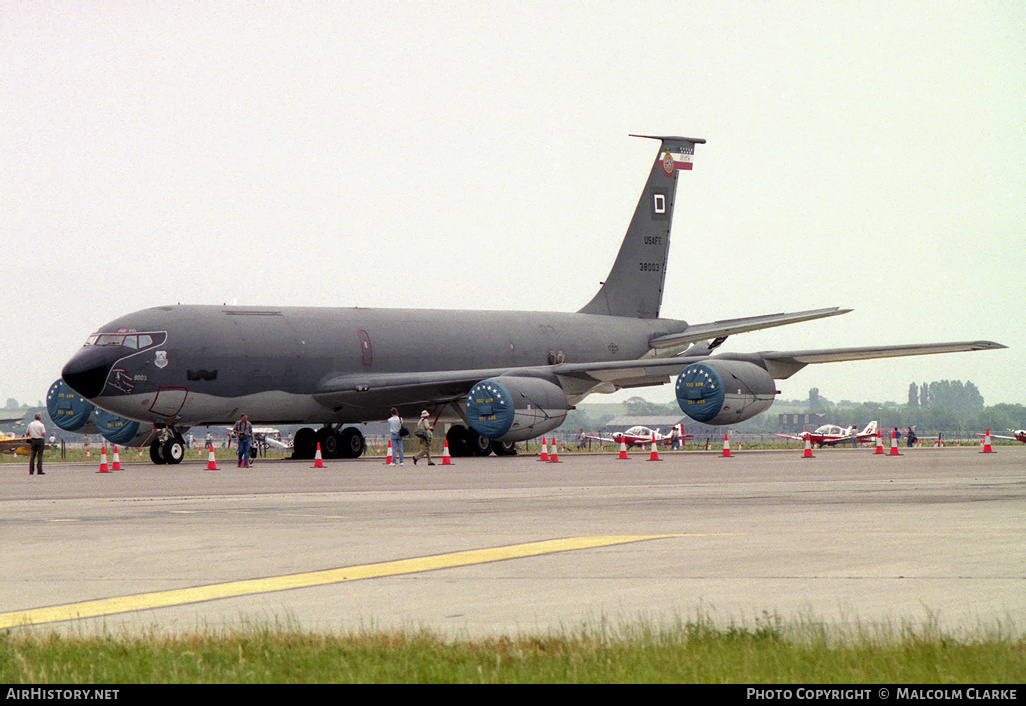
(554, 455)
(103, 460)
(623, 451)
(446, 458)
(654, 455)
(986, 444)
(879, 444)
(211, 459)
(726, 447)
(544, 451)
(389, 460)
(894, 444)
(116, 465)
(318, 459)
(808, 447)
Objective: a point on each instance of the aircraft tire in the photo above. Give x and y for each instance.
(478, 445)
(507, 448)
(157, 453)
(305, 443)
(457, 438)
(353, 444)
(331, 442)
(173, 451)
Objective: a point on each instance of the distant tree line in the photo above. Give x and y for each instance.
(948, 406)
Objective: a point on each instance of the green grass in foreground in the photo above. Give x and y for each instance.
(694, 652)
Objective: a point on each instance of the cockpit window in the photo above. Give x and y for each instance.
(133, 340)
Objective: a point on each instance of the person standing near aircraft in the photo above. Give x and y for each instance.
(395, 428)
(244, 430)
(424, 433)
(36, 433)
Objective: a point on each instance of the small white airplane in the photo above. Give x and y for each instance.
(832, 434)
(266, 435)
(642, 435)
(1017, 435)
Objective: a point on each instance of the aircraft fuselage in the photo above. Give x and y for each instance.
(196, 365)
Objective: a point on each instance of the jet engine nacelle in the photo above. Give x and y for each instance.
(724, 392)
(515, 408)
(121, 431)
(69, 410)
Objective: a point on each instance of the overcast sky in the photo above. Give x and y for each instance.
(868, 155)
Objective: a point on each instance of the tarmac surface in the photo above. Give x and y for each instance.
(514, 545)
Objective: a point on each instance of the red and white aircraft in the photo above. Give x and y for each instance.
(641, 436)
(832, 434)
(1017, 435)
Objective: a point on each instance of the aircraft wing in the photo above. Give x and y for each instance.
(996, 436)
(436, 387)
(726, 327)
(784, 364)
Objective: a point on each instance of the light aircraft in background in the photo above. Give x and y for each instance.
(832, 434)
(642, 436)
(1017, 435)
(498, 377)
(268, 436)
(19, 445)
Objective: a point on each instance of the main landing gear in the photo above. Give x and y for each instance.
(335, 443)
(467, 442)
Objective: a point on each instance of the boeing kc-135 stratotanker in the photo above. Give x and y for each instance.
(500, 376)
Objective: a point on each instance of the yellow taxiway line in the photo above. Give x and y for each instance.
(181, 596)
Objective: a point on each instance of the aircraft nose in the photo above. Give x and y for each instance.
(86, 373)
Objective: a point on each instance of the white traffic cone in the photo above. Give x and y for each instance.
(726, 447)
(987, 449)
(103, 460)
(808, 447)
(554, 454)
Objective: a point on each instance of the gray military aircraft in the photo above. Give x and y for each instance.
(500, 376)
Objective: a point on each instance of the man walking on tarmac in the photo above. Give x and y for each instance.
(36, 433)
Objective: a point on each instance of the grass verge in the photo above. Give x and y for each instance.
(770, 651)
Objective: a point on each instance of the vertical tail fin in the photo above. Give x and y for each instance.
(634, 286)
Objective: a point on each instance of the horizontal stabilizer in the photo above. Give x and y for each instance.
(664, 345)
